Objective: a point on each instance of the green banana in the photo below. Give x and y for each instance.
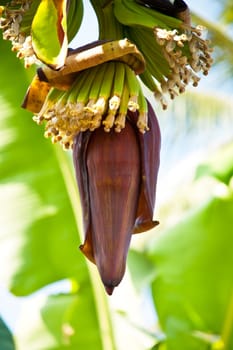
(105, 89)
(118, 83)
(89, 109)
(133, 87)
(122, 113)
(52, 98)
(88, 77)
(72, 93)
(84, 117)
(71, 107)
(130, 13)
(149, 81)
(169, 61)
(142, 122)
(116, 95)
(154, 57)
(74, 17)
(95, 88)
(152, 50)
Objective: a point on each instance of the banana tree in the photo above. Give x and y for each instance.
(42, 213)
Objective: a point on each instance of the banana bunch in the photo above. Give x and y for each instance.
(174, 51)
(16, 20)
(100, 95)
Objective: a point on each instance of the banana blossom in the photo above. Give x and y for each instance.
(116, 175)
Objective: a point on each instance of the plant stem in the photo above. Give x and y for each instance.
(109, 27)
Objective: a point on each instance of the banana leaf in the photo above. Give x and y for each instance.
(193, 287)
(49, 32)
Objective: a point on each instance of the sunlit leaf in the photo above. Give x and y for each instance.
(159, 346)
(193, 288)
(219, 165)
(49, 32)
(64, 321)
(141, 269)
(228, 12)
(38, 232)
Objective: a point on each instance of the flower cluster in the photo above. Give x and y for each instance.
(100, 95)
(11, 20)
(183, 66)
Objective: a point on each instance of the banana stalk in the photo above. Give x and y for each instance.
(109, 27)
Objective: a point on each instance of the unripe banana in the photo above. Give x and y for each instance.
(98, 81)
(130, 13)
(142, 122)
(154, 58)
(85, 119)
(149, 81)
(119, 79)
(90, 111)
(133, 87)
(116, 99)
(105, 89)
(72, 93)
(122, 113)
(74, 18)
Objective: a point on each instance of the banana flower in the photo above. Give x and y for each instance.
(116, 175)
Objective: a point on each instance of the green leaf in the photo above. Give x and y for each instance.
(141, 268)
(219, 165)
(38, 236)
(63, 321)
(49, 32)
(4, 2)
(193, 288)
(38, 232)
(6, 338)
(159, 346)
